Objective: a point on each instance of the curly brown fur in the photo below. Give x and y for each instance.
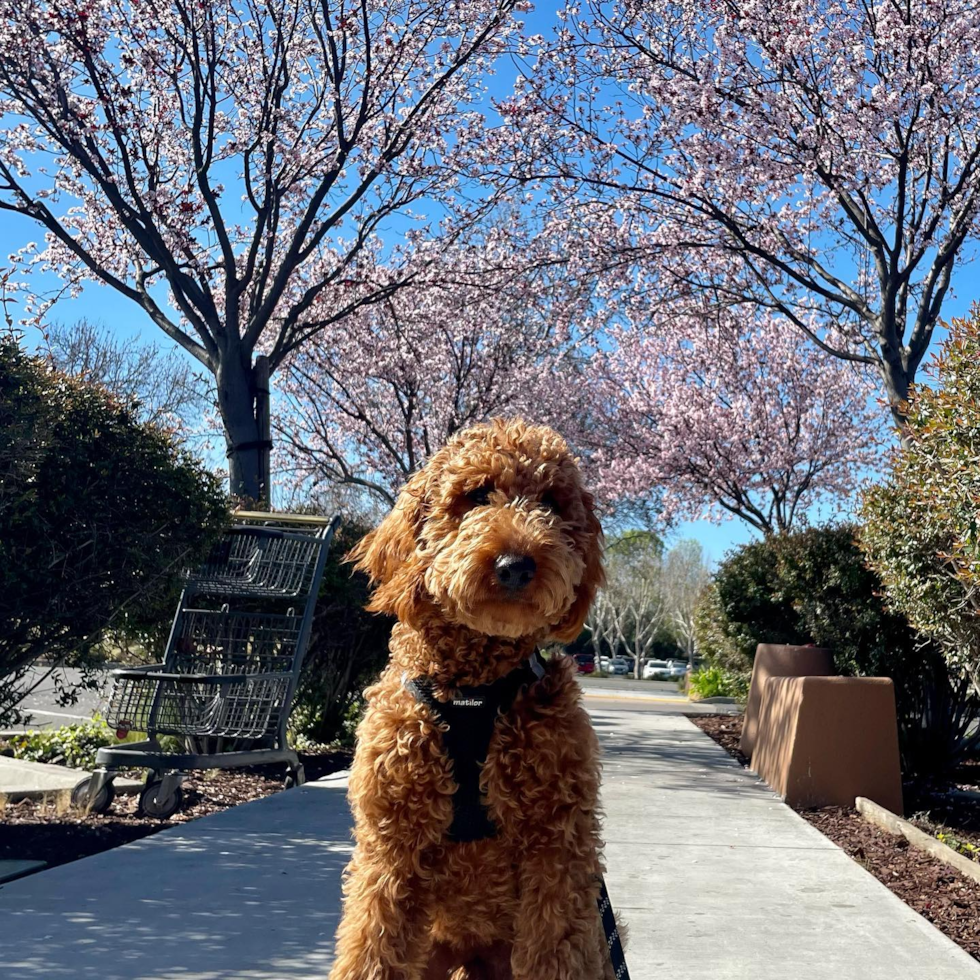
(520, 905)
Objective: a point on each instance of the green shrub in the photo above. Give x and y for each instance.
(922, 532)
(71, 745)
(716, 682)
(712, 639)
(99, 514)
(348, 648)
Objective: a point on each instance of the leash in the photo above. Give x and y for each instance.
(613, 941)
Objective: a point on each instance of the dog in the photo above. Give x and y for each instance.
(490, 551)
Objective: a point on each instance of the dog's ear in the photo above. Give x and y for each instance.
(593, 578)
(388, 554)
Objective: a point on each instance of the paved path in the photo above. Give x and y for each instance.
(720, 881)
(717, 879)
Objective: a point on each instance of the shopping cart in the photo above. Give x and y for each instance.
(230, 667)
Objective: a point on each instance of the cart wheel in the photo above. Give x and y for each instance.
(103, 799)
(294, 777)
(150, 806)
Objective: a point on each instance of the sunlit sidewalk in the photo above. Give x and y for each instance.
(715, 877)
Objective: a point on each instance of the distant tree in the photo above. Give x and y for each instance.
(161, 385)
(686, 576)
(717, 415)
(633, 606)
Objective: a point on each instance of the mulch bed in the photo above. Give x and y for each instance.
(949, 900)
(57, 834)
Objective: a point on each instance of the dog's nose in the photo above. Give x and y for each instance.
(514, 571)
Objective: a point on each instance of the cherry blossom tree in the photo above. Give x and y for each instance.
(727, 416)
(490, 329)
(227, 166)
(816, 158)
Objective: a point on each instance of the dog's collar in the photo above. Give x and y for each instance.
(533, 665)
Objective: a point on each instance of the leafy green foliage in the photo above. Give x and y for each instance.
(99, 515)
(921, 526)
(964, 847)
(71, 745)
(716, 682)
(348, 648)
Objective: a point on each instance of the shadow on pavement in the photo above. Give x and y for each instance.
(230, 897)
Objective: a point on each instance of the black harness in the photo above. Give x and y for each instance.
(470, 718)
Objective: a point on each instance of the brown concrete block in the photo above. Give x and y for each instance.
(823, 741)
(776, 660)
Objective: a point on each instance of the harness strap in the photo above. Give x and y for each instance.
(470, 718)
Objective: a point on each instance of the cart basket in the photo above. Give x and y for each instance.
(252, 560)
(148, 699)
(217, 641)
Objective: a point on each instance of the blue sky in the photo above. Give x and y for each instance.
(104, 305)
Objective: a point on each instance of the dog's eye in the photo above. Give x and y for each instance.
(548, 502)
(481, 495)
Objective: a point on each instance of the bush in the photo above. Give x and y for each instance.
(99, 514)
(921, 531)
(72, 745)
(715, 682)
(814, 586)
(348, 648)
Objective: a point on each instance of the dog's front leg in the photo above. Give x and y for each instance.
(556, 927)
(384, 933)
(401, 810)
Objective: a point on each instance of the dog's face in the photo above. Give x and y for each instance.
(496, 533)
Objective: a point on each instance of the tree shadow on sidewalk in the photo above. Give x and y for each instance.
(234, 897)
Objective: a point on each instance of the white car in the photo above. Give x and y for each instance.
(656, 670)
(676, 668)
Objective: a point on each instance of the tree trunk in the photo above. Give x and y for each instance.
(895, 378)
(237, 394)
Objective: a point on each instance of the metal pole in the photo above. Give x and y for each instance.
(262, 417)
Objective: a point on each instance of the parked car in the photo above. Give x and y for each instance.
(604, 663)
(656, 670)
(677, 668)
(585, 663)
(618, 666)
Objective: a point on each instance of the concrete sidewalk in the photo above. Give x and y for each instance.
(20, 779)
(716, 878)
(719, 880)
(252, 893)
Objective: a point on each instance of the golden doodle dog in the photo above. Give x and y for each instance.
(475, 781)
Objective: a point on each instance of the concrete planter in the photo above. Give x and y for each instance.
(823, 741)
(778, 660)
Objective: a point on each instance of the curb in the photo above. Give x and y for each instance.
(893, 824)
(629, 695)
